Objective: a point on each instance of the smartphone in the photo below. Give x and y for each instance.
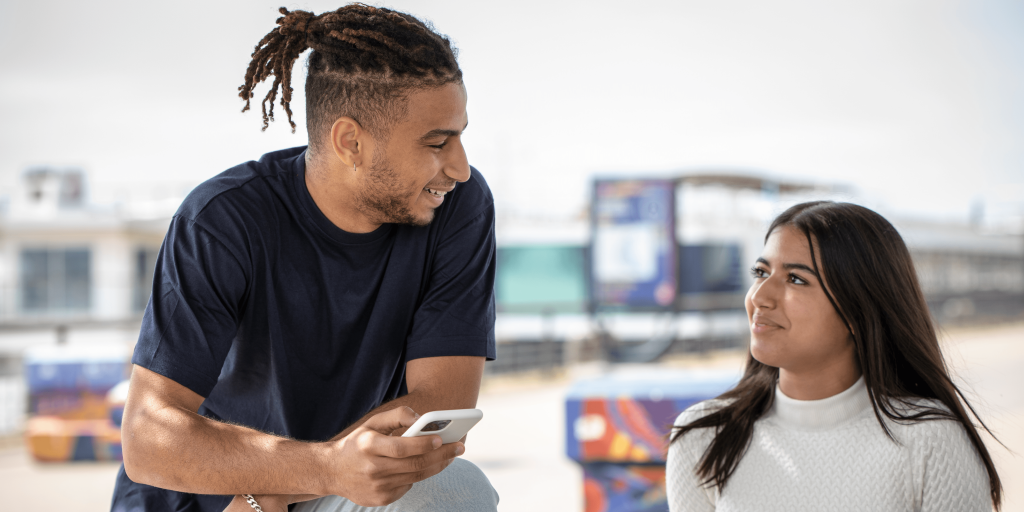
(450, 425)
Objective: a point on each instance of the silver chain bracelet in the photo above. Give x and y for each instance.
(252, 502)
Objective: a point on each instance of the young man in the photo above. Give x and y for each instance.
(306, 304)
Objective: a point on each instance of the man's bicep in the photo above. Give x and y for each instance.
(457, 313)
(151, 390)
(193, 315)
(453, 382)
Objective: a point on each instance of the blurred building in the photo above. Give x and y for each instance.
(76, 273)
(70, 272)
(543, 280)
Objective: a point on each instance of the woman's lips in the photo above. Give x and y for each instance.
(761, 325)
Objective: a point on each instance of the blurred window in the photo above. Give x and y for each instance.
(710, 269)
(142, 287)
(542, 278)
(55, 280)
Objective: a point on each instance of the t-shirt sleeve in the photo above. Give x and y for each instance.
(683, 485)
(456, 315)
(193, 313)
(953, 473)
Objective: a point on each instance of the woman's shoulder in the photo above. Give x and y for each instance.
(917, 407)
(928, 423)
(700, 410)
(688, 447)
(941, 453)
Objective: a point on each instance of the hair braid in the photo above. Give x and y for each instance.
(274, 55)
(364, 60)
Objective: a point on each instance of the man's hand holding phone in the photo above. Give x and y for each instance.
(371, 467)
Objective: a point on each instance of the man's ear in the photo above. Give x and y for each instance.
(349, 141)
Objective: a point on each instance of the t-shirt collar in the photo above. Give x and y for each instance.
(321, 221)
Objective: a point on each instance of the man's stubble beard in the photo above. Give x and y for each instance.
(382, 198)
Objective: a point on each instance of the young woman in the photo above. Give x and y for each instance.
(846, 403)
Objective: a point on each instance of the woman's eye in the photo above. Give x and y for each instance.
(439, 146)
(797, 279)
(758, 272)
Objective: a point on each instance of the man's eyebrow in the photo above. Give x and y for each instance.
(443, 132)
(790, 266)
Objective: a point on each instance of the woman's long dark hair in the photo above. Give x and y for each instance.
(895, 342)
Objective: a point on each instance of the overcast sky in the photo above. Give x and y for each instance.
(918, 104)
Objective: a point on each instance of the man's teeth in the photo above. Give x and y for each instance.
(436, 192)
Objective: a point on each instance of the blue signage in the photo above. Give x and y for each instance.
(633, 248)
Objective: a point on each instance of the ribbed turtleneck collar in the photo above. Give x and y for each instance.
(820, 414)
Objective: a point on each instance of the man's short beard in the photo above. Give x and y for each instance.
(382, 199)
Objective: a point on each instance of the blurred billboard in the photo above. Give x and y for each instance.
(633, 244)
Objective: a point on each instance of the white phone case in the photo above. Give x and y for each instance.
(459, 421)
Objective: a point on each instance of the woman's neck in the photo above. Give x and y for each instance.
(820, 382)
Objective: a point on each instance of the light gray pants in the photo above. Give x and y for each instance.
(461, 487)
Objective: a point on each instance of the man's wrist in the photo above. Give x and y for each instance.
(323, 462)
(300, 469)
(251, 500)
(265, 502)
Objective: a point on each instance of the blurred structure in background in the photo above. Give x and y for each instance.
(74, 280)
(73, 414)
(632, 282)
(656, 266)
(615, 429)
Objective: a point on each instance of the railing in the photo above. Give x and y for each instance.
(7, 298)
(524, 356)
(12, 404)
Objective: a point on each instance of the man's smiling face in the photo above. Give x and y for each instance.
(420, 162)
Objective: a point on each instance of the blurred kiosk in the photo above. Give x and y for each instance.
(634, 244)
(75, 402)
(617, 424)
(616, 427)
(639, 268)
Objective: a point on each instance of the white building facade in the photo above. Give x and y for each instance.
(70, 273)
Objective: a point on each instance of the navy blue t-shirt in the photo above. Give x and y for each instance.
(290, 325)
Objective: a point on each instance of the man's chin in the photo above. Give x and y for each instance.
(409, 219)
(423, 220)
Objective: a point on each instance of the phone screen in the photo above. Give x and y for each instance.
(434, 426)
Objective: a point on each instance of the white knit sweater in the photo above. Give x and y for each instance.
(832, 454)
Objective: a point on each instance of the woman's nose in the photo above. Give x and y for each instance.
(764, 294)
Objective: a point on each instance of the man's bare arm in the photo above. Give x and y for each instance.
(434, 384)
(168, 444)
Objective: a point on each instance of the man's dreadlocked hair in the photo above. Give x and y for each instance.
(364, 62)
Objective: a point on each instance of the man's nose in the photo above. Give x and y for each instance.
(457, 167)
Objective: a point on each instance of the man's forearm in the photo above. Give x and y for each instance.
(436, 384)
(419, 401)
(177, 449)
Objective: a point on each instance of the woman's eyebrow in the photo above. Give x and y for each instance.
(790, 266)
(799, 266)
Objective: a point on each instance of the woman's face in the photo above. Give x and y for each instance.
(793, 326)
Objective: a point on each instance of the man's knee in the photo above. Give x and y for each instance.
(461, 487)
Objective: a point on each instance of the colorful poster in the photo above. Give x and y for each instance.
(624, 488)
(627, 417)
